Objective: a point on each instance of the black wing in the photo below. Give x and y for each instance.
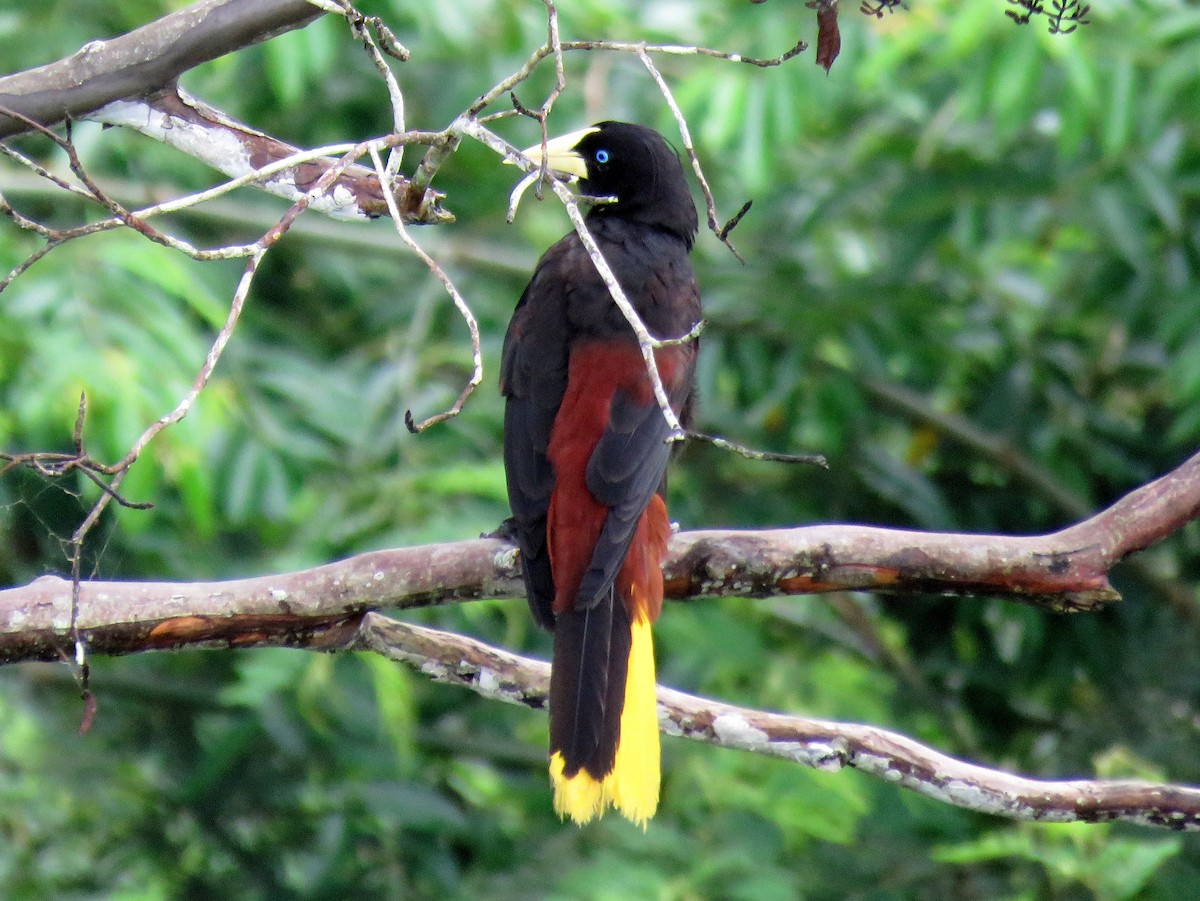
(533, 379)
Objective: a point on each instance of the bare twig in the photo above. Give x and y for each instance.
(686, 338)
(459, 302)
(121, 469)
(686, 136)
(437, 154)
(688, 50)
(750, 454)
(93, 190)
(40, 170)
(554, 44)
(734, 220)
(361, 27)
(251, 176)
(25, 264)
(542, 113)
(184, 122)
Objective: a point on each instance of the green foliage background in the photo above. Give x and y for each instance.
(1001, 222)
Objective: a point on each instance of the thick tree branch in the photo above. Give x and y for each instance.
(821, 744)
(144, 60)
(1000, 452)
(1065, 570)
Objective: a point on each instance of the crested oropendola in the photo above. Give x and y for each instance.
(585, 453)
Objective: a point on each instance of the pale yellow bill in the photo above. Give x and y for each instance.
(561, 155)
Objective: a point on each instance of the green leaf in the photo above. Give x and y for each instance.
(1121, 222)
(397, 709)
(1124, 867)
(1118, 123)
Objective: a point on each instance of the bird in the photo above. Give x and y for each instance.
(586, 447)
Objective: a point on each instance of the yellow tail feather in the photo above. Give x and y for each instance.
(632, 786)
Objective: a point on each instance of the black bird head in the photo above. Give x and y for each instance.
(633, 164)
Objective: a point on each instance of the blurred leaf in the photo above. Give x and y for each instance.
(1119, 119)
(394, 697)
(1114, 869)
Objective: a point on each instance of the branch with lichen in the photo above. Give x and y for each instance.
(250, 157)
(821, 744)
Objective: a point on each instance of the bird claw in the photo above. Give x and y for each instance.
(506, 531)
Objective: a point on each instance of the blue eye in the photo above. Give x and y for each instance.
(601, 156)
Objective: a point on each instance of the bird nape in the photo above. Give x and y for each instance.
(585, 453)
